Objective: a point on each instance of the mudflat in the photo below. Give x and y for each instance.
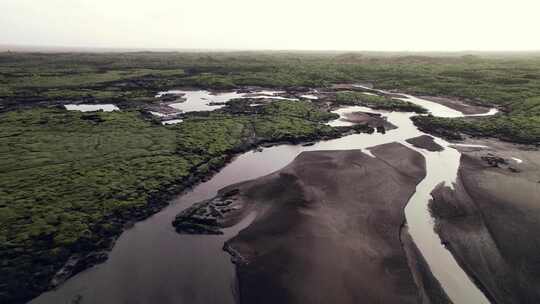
(371, 119)
(490, 220)
(456, 104)
(329, 229)
(425, 142)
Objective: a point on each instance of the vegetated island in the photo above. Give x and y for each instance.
(326, 230)
(373, 120)
(377, 102)
(425, 142)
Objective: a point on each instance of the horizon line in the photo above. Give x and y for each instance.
(27, 48)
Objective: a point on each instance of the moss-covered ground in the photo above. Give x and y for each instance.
(510, 81)
(377, 102)
(69, 181)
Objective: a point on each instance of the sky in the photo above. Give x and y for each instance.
(377, 25)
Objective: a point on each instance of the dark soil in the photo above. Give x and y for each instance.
(425, 142)
(327, 230)
(456, 104)
(490, 223)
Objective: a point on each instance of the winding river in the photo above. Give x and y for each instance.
(151, 263)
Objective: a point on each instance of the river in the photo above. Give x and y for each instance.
(151, 263)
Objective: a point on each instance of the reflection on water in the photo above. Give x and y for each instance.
(91, 107)
(151, 263)
(202, 100)
(488, 113)
(519, 161)
(309, 96)
(342, 121)
(208, 101)
(171, 122)
(434, 108)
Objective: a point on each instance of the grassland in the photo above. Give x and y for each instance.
(69, 181)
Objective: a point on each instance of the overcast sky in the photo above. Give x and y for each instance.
(386, 25)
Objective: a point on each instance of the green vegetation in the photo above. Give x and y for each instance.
(521, 124)
(377, 102)
(482, 80)
(78, 80)
(70, 180)
(516, 128)
(65, 177)
(510, 81)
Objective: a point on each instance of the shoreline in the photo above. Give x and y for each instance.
(463, 106)
(87, 178)
(98, 255)
(81, 261)
(425, 142)
(488, 220)
(255, 249)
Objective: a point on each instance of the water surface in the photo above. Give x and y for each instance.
(208, 101)
(309, 96)
(151, 263)
(91, 107)
(171, 121)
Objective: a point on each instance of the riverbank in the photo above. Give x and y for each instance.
(323, 217)
(207, 141)
(490, 219)
(521, 127)
(425, 142)
(152, 243)
(115, 168)
(464, 107)
(371, 119)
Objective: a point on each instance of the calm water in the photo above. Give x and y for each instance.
(309, 96)
(151, 263)
(92, 107)
(206, 101)
(171, 121)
